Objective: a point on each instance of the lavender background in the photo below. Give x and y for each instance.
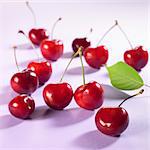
(73, 128)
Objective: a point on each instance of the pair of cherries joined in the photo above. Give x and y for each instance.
(96, 57)
(88, 96)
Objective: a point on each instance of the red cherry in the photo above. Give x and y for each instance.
(25, 82)
(22, 106)
(112, 121)
(52, 50)
(42, 69)
(80, 42)
(136, 58)
(58, 96)
(38, 35)
(89, 96)
(96, 57)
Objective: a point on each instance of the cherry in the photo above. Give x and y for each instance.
(22, 106)
(42, 69)
(113, 120)
(58, 96)
(89, 96)
(25, 82)
(96, 57)
(52, 49)
(80, 42)
(136, 58)
(36, 35)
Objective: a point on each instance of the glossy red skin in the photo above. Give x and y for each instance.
(42, 69)
(112, 121)
(80, 42)
(38, 35)
(89, 96)
(52, 50)
(25, 82)
(22, 106)
(58, 96)
(96, 57)
(136, 58)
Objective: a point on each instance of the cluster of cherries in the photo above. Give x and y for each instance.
(109, 120)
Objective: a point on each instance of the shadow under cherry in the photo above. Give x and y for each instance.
(61, 118)
(67, 55)
(93, 140)
(111, 92)
(78, 70)
(26, 46)
(8, 121)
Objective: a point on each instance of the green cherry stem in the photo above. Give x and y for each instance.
(73, 56)
(83, 71)
(125, 35)
(116, 23)
(140, 92)
(32, 12)
(32, 45)
(53, 27)
(16, 62)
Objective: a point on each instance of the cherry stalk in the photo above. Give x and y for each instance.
(113, 121)
(59, 95)
(54, 26)
(140, 92)
(32, 45)
(104, 35)
(89, 95)
(32, 12)
(16, 62)
(43, 69)
(83, 72)
(74, 55)
(135, 57)
(52, 49)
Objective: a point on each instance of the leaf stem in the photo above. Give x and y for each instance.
(83, 71)
(140, 92)
(53, 27)
(73, 56)
(116, 23)
(16, 62)
(32, 12)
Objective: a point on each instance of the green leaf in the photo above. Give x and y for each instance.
(124, 77)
